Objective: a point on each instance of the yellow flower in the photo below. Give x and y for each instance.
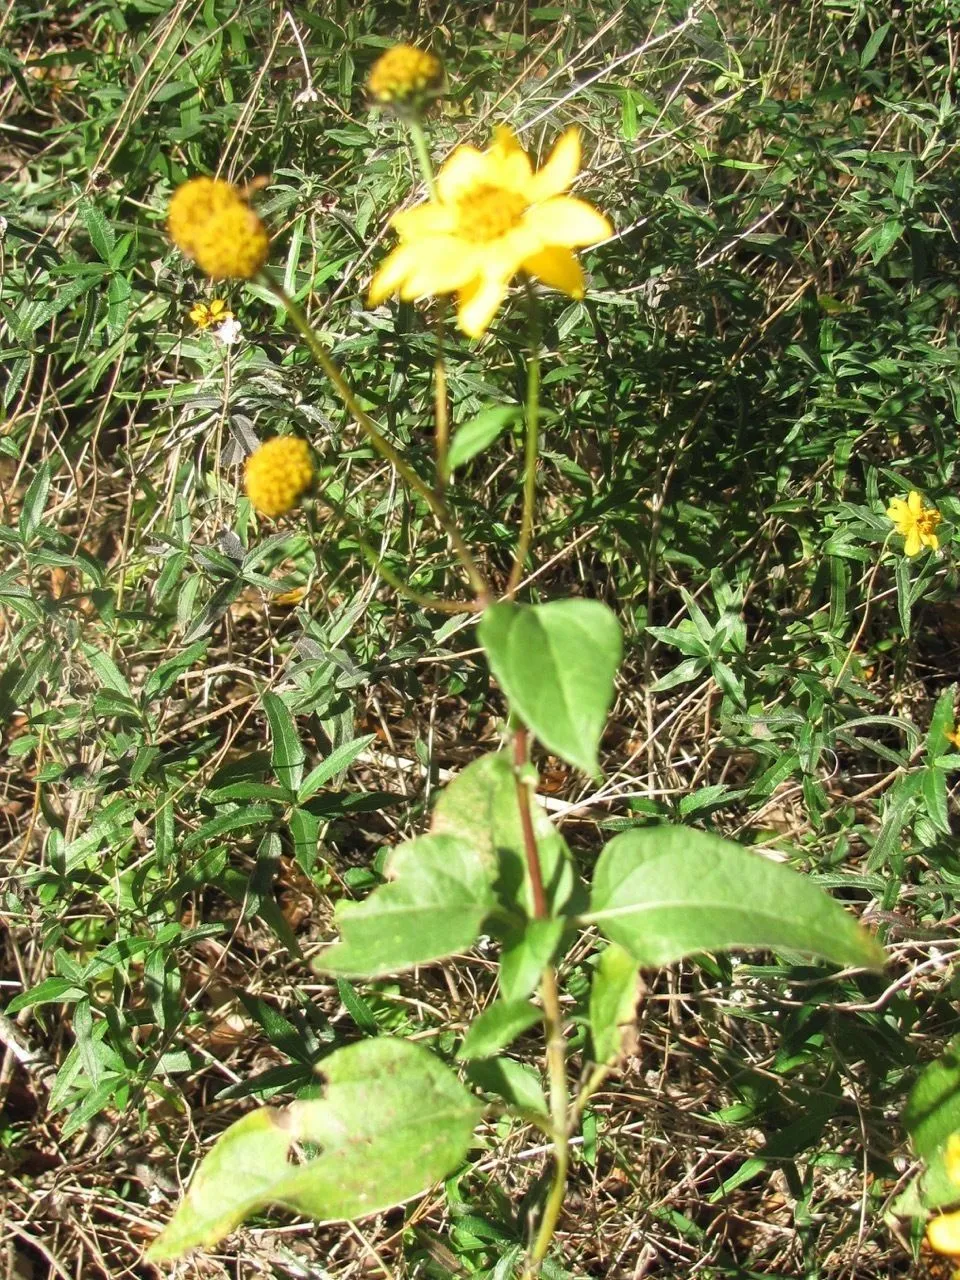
(493, 216)
(204, 315)
(943, 1231)
(954, 739)
(278, 474)
(212, 223)
(915, 521)
(404, 75)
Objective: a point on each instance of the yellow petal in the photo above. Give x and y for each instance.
(478, 304)
(466, 168)
(930, 540)
(432, 219)
(558, 268)
(440, 265)
(200, 315)
(510, 165)
(943, 1233)
(567, 221)
(391, 275)
(951, 1158)
(913, 544)
(914, 502)
(562, 166)
(897, 510)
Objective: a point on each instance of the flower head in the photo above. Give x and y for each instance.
(493, 216)
(915, 522)
(943, 1231)
(404, 76)
(212, 223)
(278, 474)
(205, 314)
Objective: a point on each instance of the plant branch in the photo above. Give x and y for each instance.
(552, 1022)
(531, 445)
(382, 445)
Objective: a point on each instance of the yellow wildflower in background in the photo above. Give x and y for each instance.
(493, 217)
(943, 1231)
(954, 740)
(278, 474)
(204, 315)
(212, 223)
(915, 522)
(404, 75)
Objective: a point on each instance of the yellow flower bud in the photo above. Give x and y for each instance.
(404, 76)
(278, 474)
(212, 223)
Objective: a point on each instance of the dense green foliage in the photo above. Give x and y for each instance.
(216, 729)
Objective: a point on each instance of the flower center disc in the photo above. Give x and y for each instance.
(489, 213)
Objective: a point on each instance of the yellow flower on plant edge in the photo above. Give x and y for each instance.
(493, 217)
(278, 474)
(205, 314)
(212, 223)
(943, 1231)
(915, 522)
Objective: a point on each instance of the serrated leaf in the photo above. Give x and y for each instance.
(393, 1121)
(434, 904)
(556, 663)
(668, 892)
(497, 1027)
(613, 1002)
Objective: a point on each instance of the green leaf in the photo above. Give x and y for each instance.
(613, 1002)
(514, 1082)
(902, 575)
(478, 433)
(526, 951)
(497, 1027)
(931, 1117)
(480, 807)
(393, 1121)
(669, 892)
(941, 723)
(556, 663)
(169, 672)
(438, 895)
(288, 756)
(34, 501)
(336, 763)
(305, 830)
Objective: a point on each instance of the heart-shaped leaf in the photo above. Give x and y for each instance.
(556, 663)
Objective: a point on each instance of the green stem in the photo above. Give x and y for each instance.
(378, 440)
(531, 446)
(552, 1023)
(422, 152)
(376, 562)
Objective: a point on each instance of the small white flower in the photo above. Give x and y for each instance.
(3, 227)
(229, 332)
(306, 96)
